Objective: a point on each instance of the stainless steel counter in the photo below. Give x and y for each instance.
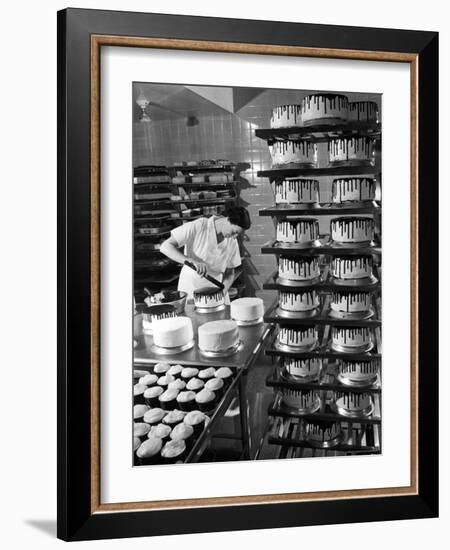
(252, 339)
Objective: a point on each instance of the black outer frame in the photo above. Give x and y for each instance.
(75, 521)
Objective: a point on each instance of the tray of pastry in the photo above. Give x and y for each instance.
(175, 407)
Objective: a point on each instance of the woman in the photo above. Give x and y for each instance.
(210, 244)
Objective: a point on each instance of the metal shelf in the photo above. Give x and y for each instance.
(274, 247)
(316, 132)
(281, 173)
(325, 209)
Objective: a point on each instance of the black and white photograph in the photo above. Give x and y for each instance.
(257, 261)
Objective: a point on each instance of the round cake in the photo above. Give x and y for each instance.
(359, 372)
(298, 337)
(350, 302)
(246, 310)
(296, 269)
(300, 232)
(322, 433)
(296, 191)
(208, 297)
(353, 402)
(353, 190)
(351, 338)
(352, 267)
(298, 301)
(298, 153)
(302, 368)
(156, 313)
(351, 151)
(172, 333)
(300, 399)
(218, 336)
(363, 111)
(352, 230)
(324, 109)
(285, 116)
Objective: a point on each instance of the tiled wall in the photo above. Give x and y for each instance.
(231, 136)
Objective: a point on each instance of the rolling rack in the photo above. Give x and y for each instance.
(285, 434)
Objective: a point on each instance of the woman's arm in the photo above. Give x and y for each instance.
(170, 249)
(228, 278)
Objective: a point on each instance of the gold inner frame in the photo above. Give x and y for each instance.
(97, 41)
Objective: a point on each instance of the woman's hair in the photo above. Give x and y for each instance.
(238, 215)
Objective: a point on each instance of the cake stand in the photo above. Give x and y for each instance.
(308, 244)
(308, 314)
(223, 353)
(372, 280)
(249, 323)
(307, 410)
(172, 351)
(305, 379)
(352, 349)
(296, 283)
(353, 413)
(357, 383)
(347, 315)
(296, 349)
(214, 309)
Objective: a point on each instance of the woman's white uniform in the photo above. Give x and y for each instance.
(200, 243)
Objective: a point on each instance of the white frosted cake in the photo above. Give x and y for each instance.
(247, 309)
(208, 297)
(351, 337)
(298, 153)
(353, 190)
(351, 150)
(286, 116)
(302, 231)
(302, 368)
(350, 302)
(298, 337)
(298, 301)
(352, 267)
(352, 230)
(363, 111)
(300, 399)
(359, 371)
(353, 401)
(324, 109)
(296, 191)
(172, 333)
(218, 336)
(296, 269)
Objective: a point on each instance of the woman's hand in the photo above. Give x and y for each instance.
(202, 269)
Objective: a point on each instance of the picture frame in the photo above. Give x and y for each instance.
(81, 35)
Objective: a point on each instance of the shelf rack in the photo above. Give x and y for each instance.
(286, 425)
